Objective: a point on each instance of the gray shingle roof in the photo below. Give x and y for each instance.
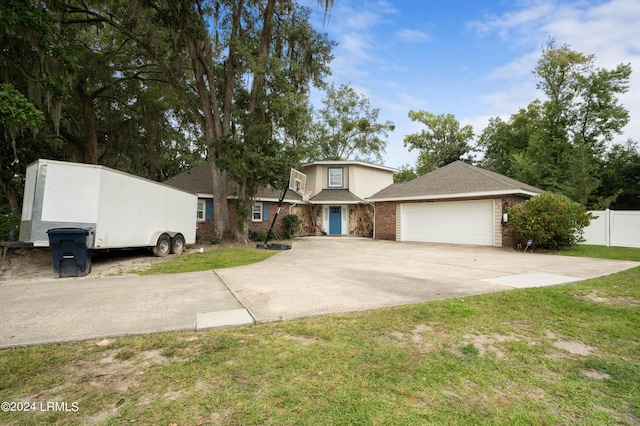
(336, 196)
(456, 179)
(199, 180)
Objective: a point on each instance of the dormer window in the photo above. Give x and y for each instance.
(336, 177)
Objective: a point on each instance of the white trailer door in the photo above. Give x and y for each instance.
(456, 222)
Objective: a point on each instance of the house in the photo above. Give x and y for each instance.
(199, 180)
(458, 203)
(337, 193)
(331, 202)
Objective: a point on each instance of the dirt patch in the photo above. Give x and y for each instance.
(595, 374)
(594, 297)
(487, 344)
(304, 341)
(34, 265)
(418, 338)
(573, 347)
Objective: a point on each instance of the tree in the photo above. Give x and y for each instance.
(505, 142)
(34, 69)
(17, 114)
(620, 178)
(580, 116)
(404, 174)
(347, 128)
(442, 143)
(559, 144)
(226, 60)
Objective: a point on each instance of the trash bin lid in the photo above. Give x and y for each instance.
(68, 231)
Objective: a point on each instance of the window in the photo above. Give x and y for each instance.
(200, 211)
(336, 177)
(256, 212)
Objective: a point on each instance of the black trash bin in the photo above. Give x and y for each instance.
(69, 252)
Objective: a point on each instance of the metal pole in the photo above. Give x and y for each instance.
(273, 222)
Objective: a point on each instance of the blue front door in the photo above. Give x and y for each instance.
(335, 220)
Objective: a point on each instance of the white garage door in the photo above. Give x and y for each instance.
(457, 222)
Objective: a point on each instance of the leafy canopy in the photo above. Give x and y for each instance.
(347, 128)
(559, 144)
(443, 141)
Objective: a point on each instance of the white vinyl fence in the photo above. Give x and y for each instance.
(619, 228)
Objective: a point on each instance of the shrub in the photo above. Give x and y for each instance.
(550, 220)
(290, 225)
(7, 223)
(258, 235)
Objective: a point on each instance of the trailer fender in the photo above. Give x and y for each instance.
(153, 240)
(161, 244)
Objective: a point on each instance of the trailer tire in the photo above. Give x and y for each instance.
(177, 244)
(163, 246)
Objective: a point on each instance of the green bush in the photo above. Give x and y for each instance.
(7, 223)
(290, 225)
(258, 235)
(550, 220)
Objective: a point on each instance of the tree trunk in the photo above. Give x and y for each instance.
(12, 197)
(243, 211)
(220, 201)
(90, 147)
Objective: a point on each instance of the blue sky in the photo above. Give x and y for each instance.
(472, 59)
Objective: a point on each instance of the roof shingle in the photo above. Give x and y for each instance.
(199, 180)
(455, 179)
(336, 196)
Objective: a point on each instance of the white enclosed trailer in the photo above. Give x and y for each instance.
(119, 210)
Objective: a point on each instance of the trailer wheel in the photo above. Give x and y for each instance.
(177, 244)
(163, 246)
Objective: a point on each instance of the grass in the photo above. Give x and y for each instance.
(603, 252)
(545, 356)
(217, 258)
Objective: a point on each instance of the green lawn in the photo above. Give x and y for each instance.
(215, 258)
(603, 252)
(545, 356)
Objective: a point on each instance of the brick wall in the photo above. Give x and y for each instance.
(510, 238)
(385, 220)
(205, 229)
(264, 226)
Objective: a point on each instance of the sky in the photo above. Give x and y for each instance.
(473, 59)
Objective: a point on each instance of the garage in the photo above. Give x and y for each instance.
(455, 222)
(456, 204)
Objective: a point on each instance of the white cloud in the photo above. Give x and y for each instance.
(412, 36)
(609, 30)
(519, 68)
(513, 21)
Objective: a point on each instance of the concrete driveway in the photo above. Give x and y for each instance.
(324, 275)
(318, 276)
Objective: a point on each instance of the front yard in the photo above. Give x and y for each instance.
(553, 355)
